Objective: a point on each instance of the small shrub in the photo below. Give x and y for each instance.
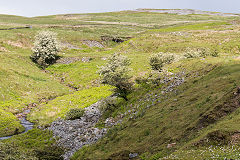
(157, 61)
(153, 79)
(190, 53)
(74, 113)
(46, 48)
(116, 73)
(201, 52)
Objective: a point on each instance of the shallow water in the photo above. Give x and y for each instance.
(26, 124)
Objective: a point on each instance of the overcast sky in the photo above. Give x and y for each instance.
(32, 8)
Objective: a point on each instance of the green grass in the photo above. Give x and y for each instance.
(35, 144)
(212, 152)
(58, 107)
(189, 27)
(178, 39)
(80, 75)
(8, 123)
(172, 120)
(22, 82)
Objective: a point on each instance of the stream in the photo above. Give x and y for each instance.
(24, 122)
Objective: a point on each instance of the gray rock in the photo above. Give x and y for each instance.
(86, 59)
(109, 122)
(74, 134)
(133, 155)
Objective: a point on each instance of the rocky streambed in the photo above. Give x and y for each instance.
(74, 134)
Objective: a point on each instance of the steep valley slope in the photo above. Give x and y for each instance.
(190, 112)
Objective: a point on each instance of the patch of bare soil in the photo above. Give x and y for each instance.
(237, 58)
(219, 137)
(16, 44)
(220, 110)
(235, 138)
(2, 49)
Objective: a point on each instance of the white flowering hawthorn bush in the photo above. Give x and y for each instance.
(116, 73)
(46, 48)
(157, 61)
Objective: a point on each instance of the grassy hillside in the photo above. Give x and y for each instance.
(178, 118)
(201, 111)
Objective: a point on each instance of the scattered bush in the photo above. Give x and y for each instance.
(191, 53)
(201, 52)
(46, 48)
(116, 73)
(152, 79)
(74, 113)
(155, 78)
(157, 61)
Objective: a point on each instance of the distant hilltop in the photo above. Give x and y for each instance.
(186, 12)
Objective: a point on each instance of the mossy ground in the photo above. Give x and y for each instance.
(210, 81)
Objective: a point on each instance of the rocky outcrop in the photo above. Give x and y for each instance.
(74, 134)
